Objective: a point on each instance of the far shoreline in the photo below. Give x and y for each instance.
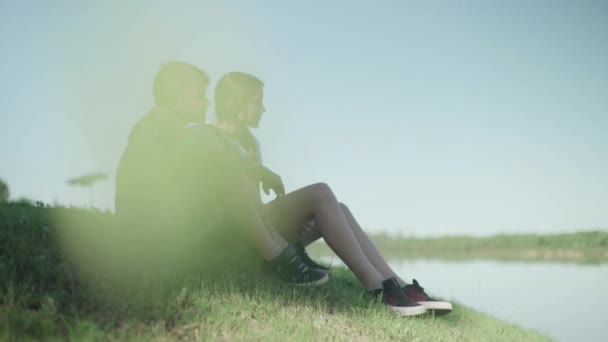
(589, 247)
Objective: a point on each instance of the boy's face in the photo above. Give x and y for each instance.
(253, 109)
(193, 103)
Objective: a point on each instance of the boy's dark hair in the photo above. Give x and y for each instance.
(231, 93)
(173, 78)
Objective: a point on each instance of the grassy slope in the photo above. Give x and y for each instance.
(42, 296)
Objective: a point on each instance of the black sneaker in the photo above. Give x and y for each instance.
(392, 296)
(417, 294)
(306, 259)
(290, 268)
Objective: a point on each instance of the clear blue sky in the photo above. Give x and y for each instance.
(426, 117)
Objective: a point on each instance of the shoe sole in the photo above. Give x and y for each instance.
(439, 308)
(409, 310)
(314, 283)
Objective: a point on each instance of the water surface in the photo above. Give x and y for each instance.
(561, 300)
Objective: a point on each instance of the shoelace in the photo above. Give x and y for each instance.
(301, 267)
(306, 258)
(417, 286)
(420, 290)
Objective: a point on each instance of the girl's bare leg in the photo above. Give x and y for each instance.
(313, 233)
(290, 212)
(369, 248)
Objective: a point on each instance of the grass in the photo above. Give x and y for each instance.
(48, 293)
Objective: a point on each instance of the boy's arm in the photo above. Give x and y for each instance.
(269, 179)
(207, 148)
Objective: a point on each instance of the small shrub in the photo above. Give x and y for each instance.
(4, 191)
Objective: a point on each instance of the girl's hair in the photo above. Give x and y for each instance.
(172, 80)
(232, 92)
(231, 95)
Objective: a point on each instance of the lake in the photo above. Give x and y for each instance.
(563, 301)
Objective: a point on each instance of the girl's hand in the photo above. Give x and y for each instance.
(272, 181)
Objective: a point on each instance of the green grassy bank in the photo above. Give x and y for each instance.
(46, 293)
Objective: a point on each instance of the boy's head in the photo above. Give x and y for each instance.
(239, 99)
(183, 88)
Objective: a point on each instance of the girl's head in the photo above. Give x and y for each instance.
(183, 88)
(239, 99)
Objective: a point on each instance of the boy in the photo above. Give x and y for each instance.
(176, 171)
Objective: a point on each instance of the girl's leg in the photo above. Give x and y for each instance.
(247, 215)
(369, 248)
(290, 212)
(310, 233)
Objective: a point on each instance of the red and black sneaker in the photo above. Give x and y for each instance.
(416, 293)
(392, 296)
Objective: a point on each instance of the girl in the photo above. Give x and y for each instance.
(313, 212)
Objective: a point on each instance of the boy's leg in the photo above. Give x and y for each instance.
(244, 212)
(275, 235)
(278, 238)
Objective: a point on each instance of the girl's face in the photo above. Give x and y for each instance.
(251, 114)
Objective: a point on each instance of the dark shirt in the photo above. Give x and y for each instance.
(168, 170)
